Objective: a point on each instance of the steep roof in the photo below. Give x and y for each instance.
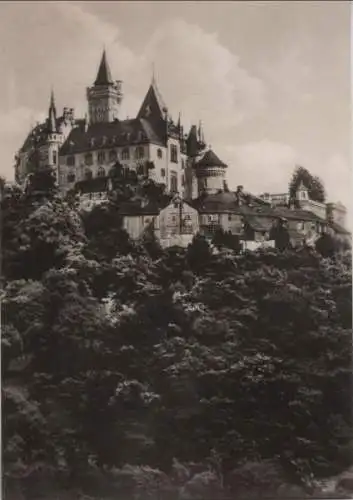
(110, 135)
(224, 202)
(259, 224)
(52, 121)
(210, 159)
(104, 76)
(153, 105)
(192, 142)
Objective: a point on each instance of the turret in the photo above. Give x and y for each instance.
(210, 173)
(302, 193)
(104, 97)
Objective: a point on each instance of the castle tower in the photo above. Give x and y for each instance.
(210, 173)
(51, 140)
(302, 193)
(105, 96)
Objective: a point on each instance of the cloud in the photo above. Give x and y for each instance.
(196, 74)
(202, 78)
(260, 166)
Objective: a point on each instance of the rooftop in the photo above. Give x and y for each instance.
(210, 159)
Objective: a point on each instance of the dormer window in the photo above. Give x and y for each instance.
(104, 140)
(91, 142)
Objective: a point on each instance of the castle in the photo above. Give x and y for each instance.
(84, 152)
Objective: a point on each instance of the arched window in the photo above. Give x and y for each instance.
(112, 155)
(71, 177)
(125, 154)
(88, 174)
(139, 152)
(159, 153)
(101, 157)
(70, 161)
(101, 172)
(88, 159)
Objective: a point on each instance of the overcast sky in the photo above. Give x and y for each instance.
(270, 80)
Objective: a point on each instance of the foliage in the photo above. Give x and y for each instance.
(183, 373)
(314, 185)
(226, 239)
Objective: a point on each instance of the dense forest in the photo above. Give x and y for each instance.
(132, 372)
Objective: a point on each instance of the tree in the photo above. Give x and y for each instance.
(199, 253)
(105, 234)
(227, 240)
(279, 233)
(314, 185)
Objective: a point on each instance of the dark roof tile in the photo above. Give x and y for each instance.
(109, 135)
(210, 159)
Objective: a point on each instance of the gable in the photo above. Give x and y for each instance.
(153, 106)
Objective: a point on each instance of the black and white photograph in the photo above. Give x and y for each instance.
(176, 265)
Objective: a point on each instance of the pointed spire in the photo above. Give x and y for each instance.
(52, 113)
(104, 76)
(200, 133)
(52, 99)
(153, 80)
(179, 120)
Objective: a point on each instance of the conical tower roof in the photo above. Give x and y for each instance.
(210, 159)
(52, 114)
(104, 76)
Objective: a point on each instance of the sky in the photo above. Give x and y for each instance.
(270, 80)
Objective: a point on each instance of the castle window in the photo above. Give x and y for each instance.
(112, 155)
(300, 226)
(88, 159)
(101, 172)
(159, 153)
(125, 154)
(183, 163)
(55, 157)
(101, 157)
(163, 172)
(139, 152)
(173, 182)
(70, 161)
(173, 153)
(88, 174)
(71, 177)
(183, 180)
